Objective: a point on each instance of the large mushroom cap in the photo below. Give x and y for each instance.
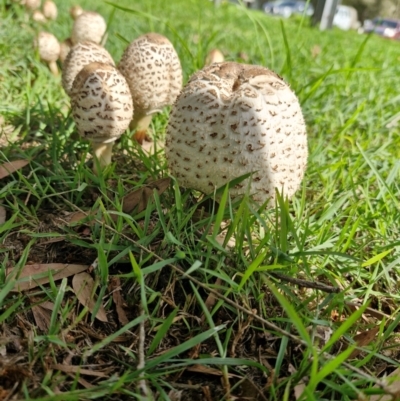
(232, 119)
(88, 26)
(50, 9)
(80, 55)
(49, 49)
(153, 71)
(101, 107)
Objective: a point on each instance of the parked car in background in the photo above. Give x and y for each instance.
(286, 8)
(346, 18)
(386, 27)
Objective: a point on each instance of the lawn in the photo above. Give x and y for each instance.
(195, 298)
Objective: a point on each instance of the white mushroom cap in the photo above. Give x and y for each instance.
(32, 4)
(214, 56)
(101, 107)
(50, 10)
(49, 49)
(88, 26)
(80, 55)
(65, 47)
(153, 71)
(38, 16)
(75, 11)
(232, 119)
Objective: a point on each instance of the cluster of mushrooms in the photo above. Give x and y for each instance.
(229, 120)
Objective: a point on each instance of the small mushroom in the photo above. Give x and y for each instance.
(65, 47)
(214, 56)
(50, 10)
(101, 107)
(38, 16)
(80, 55)
(75, 11)
(153, 71)
(232, 119)
(32, 4)
(49, 50)
(88, 26)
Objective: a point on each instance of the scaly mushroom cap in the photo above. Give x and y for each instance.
(101, 106)
(48, 45)
(88, 26)
(153, 72)
(50, 10)
(232, 119)
(80, 55)
(65, 47)
(214, 56)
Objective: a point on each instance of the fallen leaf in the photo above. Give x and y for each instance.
(392, 382)
(34, 275)
(42, 317)
(115, 284)
(2, 215)
(9, 167)
(83, 286)
(142, 196)
(79, 370)
(364, 339)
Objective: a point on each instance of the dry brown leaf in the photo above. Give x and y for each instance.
(34, 275)
(78, 369)
(9, 167)
(207, 370)
(142, 196)
(2, 215)
(299, 389)
(392, 387)
(83, 286)
(42, 317)
(364, 339)
(115, 284)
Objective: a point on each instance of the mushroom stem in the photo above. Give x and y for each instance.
(140, 124)
(53, 67)
(102, 152)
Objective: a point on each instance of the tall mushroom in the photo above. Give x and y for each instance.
(88, 26)
(101, 107)
(153, 71)
(80, 55)
(232, 119)
(49, 49)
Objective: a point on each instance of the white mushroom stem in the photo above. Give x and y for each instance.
(53, 67)
(141, 125)
(103, 153)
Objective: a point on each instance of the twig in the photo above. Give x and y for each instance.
(307, 284)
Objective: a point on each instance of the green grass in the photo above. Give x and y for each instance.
(200, 314)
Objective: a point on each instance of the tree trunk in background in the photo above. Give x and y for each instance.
(368, 9)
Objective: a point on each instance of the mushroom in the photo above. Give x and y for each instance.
(75, 11)
(80, 55)
(214, 56)
(65, 47)
(50, 10)
(32, 4)
(88, 26)
(49, 49)
(153, 71)
(101, 107)
(38, 16)
(232, 119)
